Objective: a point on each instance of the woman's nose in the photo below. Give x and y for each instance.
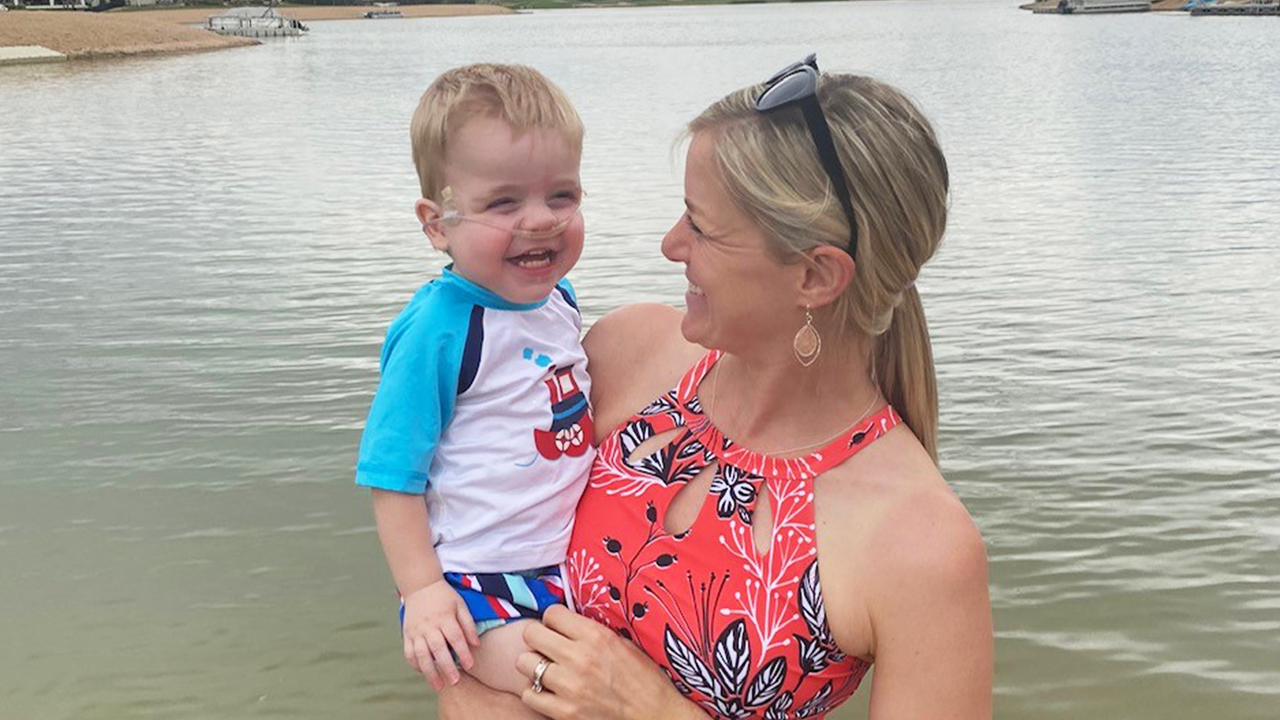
(674, 245)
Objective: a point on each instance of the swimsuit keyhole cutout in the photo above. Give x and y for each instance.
(689, 501)
(762, 519)
(652, 445)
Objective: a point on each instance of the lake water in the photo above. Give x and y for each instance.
(199, 256)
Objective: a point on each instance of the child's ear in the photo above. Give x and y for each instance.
(429, 213)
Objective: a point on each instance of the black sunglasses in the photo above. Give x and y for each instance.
(798, 83)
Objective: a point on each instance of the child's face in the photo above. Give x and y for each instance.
(502, 180)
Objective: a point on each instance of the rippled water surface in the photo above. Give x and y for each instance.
(199, 255)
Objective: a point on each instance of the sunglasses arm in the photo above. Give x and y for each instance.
(821, 132)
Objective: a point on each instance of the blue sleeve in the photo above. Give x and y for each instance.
(566, 291)
(421, 359)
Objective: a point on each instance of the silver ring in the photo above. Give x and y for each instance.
(538, 672)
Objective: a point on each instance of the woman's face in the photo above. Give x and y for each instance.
(739, 294)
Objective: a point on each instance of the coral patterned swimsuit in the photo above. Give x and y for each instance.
(743, 634)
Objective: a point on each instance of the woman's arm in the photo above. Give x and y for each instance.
(595, 674)
(471, 699)
(931, 617)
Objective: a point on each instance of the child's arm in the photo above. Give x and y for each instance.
(435, 617)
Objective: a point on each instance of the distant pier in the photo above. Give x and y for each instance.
(1253, 8)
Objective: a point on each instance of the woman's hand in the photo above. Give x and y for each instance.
(595, 675)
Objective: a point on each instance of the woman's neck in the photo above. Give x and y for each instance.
(768, 402)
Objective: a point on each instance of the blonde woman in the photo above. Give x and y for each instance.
(765, 518)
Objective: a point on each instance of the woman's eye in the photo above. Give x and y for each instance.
(693, 226)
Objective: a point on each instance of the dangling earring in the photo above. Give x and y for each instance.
(807, 344)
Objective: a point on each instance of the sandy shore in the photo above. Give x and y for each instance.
(89, 35)
(141, 32)
(309, 13)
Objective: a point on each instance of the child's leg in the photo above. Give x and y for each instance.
(495, 659)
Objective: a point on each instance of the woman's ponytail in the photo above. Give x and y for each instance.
(903, 366)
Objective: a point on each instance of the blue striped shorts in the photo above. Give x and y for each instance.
(495, 599)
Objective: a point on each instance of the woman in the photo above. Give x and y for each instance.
(802, 446)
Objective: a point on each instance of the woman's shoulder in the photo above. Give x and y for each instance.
(634, 354)
(912, 514)
(636, 335)
(928, 538)
(633, 325)
(903, 541)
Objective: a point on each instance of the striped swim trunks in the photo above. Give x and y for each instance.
(495, 599)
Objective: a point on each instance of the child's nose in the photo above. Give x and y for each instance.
(539, 216)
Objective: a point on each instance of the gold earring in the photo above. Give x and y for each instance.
(807, 344)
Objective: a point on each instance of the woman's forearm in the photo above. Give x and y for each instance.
(470, 699)
(686, 710)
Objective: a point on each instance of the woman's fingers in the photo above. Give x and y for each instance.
(527, 665)
(549, 642)
(569, 623)
(548, 704)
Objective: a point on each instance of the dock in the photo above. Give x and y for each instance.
(1251, 8)
(1091, 7)
(28, 55)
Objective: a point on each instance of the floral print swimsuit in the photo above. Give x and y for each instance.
(742, 633)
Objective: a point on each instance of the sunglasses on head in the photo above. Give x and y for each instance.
(798, 83)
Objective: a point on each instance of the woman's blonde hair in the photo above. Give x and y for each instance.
(898, 183)
(516, 94)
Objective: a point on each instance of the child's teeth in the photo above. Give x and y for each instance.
(535, 259)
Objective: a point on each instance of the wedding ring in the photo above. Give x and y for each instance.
(538, 672)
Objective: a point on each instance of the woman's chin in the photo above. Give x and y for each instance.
(694, 328)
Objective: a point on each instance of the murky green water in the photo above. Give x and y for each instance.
(198, 257)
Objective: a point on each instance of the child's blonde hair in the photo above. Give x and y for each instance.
(516, 94)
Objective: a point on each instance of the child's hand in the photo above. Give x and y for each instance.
(435, 620)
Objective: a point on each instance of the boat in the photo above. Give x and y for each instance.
(571, 424)
(1096, 7)
(255, 22)
(383, 11)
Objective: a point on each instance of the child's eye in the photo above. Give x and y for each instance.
(566, 197)
(502, 205)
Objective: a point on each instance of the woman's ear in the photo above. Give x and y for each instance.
(826, 276)
(429, 213)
